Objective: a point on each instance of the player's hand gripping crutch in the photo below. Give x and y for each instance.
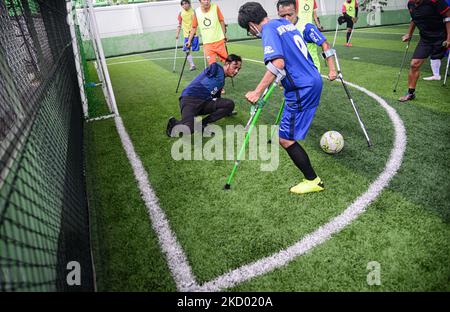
(361, 124)
(250, 125)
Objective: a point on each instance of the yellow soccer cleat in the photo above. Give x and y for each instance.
(308, 186)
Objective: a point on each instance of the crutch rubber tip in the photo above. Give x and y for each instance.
(227, 186)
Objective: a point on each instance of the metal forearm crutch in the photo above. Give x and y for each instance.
(250, 125)
(446, 70)
(277, 121)
(335, 33)
(351, 33)
(444, 44)
(361, 124)
(182, 70)
(175, 57)
(403, 63)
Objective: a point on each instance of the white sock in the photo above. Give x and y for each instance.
(435, 66)
(190, 60)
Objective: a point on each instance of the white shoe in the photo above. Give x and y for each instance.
(432, 78)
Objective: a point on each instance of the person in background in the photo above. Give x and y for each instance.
(432, 17)
(299, 13)
(350, 15)
(185, 18)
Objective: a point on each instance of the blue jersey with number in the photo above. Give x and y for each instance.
(208, 84)
(281, 39)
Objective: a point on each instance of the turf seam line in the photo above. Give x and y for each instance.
(176, 258)
(324, 232)
(154, 59)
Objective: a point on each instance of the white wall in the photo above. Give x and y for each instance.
(129, 19)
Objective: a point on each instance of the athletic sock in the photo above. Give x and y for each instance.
(435, 67)
(190, 60)
(411, 91)
(301, 160)
(348, 35)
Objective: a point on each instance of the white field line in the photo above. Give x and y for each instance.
(382, 33)
(149, 60)
(131, 55)
(324, 232)
(176, 259)
(149, 52)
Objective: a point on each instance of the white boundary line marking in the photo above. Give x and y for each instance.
(177, 260)
(335, 225)
(382, 33)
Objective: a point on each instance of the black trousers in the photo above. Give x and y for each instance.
(346, 19)
(191, 107)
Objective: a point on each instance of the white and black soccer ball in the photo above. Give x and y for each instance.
(332, 142)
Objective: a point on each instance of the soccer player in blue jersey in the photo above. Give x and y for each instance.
(203, 95)
(285, 50)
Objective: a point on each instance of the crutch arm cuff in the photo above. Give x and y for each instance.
(328, 53)
(279, 73)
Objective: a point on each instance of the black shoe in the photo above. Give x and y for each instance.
(407, 97)
(232, 113)
(170, 124)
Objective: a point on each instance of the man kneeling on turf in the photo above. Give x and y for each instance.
(203, 95)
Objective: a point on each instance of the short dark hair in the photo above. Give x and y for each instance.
(184, 1)
(285, 3)
(233, 58)
(251, 12)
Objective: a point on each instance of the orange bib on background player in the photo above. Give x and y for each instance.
(209, 24)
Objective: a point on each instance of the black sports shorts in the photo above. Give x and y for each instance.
(432, 49)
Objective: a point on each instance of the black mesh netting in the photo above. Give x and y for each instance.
(43, 209)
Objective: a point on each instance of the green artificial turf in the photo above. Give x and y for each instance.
(406, 229)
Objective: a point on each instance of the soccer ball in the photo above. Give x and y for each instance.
(332, 142)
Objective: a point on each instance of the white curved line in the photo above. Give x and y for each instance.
(177, 260)
(325, 231)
